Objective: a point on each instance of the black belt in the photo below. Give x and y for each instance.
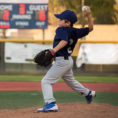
(65, 57)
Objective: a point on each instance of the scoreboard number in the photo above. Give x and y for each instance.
(22, 9)
(40, 15)
(4, 15)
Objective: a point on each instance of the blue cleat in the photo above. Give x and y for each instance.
(90, 96)
(48, 108)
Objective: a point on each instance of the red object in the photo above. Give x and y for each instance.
(22, 9)
(60, 86)
(42, 15)
(4, 26)
(52, 52)
(6, 15)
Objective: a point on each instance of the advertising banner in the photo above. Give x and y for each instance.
(97, 54)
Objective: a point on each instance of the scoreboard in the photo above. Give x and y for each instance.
(23, 14)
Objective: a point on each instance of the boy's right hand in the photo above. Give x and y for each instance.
(86, 11)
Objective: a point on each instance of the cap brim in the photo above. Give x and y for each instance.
(58, 16)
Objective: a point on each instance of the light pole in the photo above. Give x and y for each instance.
(83, 20)
(83, 38)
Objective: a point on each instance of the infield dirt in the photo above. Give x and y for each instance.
(67, 110)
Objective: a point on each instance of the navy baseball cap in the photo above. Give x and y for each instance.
(67, 15)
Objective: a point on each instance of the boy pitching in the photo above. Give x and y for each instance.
(64, 42)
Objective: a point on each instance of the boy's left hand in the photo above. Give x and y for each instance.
(45, 57)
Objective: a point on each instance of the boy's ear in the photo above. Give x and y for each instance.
(68, 23)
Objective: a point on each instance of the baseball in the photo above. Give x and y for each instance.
(84, 8)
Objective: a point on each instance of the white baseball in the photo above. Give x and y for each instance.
(84, 8)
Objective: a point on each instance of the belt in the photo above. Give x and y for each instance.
(65, 57)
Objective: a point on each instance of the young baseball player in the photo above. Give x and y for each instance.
(64, 42)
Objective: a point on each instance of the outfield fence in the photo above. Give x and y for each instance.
(31, 68)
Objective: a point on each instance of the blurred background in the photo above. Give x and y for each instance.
(96, 53)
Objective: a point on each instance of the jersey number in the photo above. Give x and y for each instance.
(69, 48)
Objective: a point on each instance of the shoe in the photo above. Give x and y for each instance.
(48, 108)
(90, 96)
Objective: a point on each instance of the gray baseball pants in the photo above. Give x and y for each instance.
(61, 68)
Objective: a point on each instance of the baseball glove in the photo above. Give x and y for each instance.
(45, 57)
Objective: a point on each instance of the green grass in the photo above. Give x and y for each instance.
(86, 79)
(20, 78)
(97, 79)
(26, 99)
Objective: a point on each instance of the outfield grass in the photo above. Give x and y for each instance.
(26, 99)
(85, 79)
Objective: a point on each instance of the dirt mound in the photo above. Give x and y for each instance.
(66, 110)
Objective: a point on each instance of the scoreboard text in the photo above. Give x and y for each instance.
(23, 16)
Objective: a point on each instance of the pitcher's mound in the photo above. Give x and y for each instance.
(66, 110)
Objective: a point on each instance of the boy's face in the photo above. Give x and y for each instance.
(63, 23)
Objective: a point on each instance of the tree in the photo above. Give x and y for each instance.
(103, 11)
(54, 7)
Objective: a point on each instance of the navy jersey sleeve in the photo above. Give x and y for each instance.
(61, 34)
(82, 32)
